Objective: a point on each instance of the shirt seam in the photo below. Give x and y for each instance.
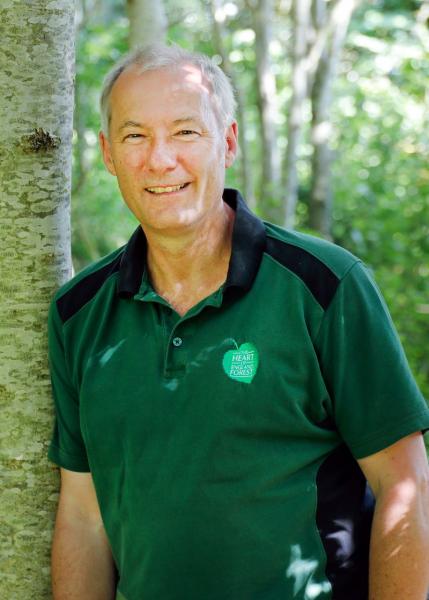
(71, 383)
(64, 323)
(304, 247)
(394, 428)
(296, 277)
(67, 454)
(340, 283)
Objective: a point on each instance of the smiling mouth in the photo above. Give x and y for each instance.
(166, 189)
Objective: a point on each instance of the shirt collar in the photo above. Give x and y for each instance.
(248, 245)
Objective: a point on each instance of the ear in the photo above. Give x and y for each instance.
(106, 152)
(231, 144)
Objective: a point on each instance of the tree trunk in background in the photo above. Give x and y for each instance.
(218, 36)
(269, 200)
(320, 206)
(82, 227)
(36, 106)
(148, 22)
(420, 28)
(81, 165)
(301, 14)
(320, 203)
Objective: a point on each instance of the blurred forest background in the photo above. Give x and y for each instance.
(333, 113)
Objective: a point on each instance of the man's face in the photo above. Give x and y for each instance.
(167, 148)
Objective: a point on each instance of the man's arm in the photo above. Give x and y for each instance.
(399, 551)
(82, 564)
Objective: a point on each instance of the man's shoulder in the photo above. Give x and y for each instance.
(317, 253)
(320, 265)
(81, 288)
(94, 270)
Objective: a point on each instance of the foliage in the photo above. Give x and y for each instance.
(100, 221)
(381, 177)
(380, 114)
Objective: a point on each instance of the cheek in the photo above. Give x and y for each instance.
(129, 161)
(205, 159)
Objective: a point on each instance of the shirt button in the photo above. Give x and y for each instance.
(177, 341)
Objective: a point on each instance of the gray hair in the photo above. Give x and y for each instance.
(159, 56)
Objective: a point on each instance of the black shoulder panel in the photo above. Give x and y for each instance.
(85, 290)
(319, 279)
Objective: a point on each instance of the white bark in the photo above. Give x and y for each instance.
(301, 10)
(317, 59)
(148, 22)
(321, 193)
(420, 28)
(218, 36)
(266, 92)
(36, 104)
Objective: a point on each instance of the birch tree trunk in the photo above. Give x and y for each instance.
(301, 12)
(321, 193)
(36, 105)
(218, 36)
(269, 199)
(320, 206)
(148, 22)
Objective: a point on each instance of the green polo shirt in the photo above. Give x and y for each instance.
(222, 444)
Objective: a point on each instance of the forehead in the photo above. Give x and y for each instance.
(159, 93)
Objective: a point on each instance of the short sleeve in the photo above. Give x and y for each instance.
(375, 400)
(67, 448)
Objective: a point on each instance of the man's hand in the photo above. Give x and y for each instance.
(399, 553)
(82, 565)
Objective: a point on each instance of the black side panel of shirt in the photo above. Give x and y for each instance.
(345, 507)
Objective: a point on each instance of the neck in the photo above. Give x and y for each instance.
(190, 265)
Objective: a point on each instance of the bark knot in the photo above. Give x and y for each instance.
(40, 141)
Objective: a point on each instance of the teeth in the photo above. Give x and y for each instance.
(164, 190)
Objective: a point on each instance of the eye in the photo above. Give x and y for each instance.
(187, 132)
(134, 138)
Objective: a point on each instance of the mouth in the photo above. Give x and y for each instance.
(170, 189)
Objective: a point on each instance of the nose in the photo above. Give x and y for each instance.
(161, 155)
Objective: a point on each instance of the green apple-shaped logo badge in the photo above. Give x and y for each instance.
(241, 364)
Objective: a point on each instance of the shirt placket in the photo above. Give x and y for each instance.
(177, 347)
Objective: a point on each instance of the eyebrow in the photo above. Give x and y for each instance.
(130, 124)
(179, 121)
(187, 120)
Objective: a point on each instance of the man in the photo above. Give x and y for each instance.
(224, 389)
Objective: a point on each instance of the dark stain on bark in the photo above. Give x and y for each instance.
(40, 141)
